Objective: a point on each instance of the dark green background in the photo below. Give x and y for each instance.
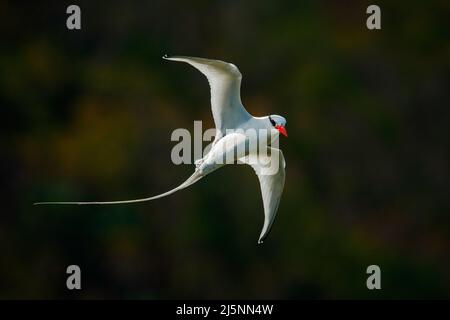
(87, 115)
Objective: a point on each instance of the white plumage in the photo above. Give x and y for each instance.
(229, 114)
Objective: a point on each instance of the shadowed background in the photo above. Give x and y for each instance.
(87, 115)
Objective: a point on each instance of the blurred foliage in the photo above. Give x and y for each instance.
(87, 115)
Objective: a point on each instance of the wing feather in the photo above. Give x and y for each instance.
(225, 83)
(270, 170)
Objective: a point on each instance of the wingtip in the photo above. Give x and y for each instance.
(174, 57)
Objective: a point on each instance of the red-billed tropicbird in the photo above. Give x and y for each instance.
(233, 139)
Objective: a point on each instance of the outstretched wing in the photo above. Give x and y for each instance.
(225, 83)
(270, 170)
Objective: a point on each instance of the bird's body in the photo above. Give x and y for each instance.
(239, 137)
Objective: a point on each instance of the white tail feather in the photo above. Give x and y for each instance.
(196, 176)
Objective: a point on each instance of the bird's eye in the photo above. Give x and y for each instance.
(272, 122)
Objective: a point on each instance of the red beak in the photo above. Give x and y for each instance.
(282, 130)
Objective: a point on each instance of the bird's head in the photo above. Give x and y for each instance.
(279, 123)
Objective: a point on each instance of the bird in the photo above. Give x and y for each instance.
(233, 140)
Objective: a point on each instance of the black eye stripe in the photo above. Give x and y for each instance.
(272, 122)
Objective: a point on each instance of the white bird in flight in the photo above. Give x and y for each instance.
(232, 140)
